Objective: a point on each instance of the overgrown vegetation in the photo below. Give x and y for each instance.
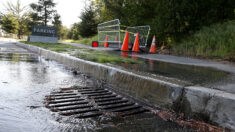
(217, 40)
(84, 53)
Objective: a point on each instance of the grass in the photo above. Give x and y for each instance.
(85, 53)
(215, 41)
(57, 47)
(102, 57)
(86, 41)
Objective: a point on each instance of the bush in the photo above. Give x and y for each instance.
(214, 41)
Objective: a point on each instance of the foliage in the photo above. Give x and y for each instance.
(88, 24)
(61, 31)
(19, 12)
(73, 33)
(86, 28)
(9, 23)
(43, 11)
(64, 32)
(216, 40)
(169, 19)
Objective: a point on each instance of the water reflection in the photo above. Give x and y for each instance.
(190, 74)
(16, 57)
(124, 54)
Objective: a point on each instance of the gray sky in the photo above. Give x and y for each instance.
(69, 10)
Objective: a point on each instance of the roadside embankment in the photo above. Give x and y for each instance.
(215, 105)
(215, 41)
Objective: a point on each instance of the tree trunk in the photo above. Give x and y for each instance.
(19, 34)
(45, 19)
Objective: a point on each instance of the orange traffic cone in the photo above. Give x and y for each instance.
(153, 46)
(136, 44)
(106, 44)
(125, 45)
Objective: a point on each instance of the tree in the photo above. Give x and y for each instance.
(9, 23)
(64, 32)
(88, 24)
(58, 24)
(102, 14)
(43, 11)
(19, 12)
(74, 33)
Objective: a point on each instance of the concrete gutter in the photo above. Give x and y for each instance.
(215, 105)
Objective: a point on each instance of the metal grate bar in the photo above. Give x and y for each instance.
(63, 97)
(71, 108)
(126, 108)
(118, 105)
(109, 99)
(62, 101)
(112, 102)
(73, 112)
(104, 96)
(99, 94)
(92, 92)
(68, 104)
(68, 94)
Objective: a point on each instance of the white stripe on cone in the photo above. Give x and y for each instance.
(153, 42)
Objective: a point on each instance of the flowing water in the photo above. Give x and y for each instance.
(25, 80)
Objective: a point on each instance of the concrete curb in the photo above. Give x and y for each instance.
(216, 105)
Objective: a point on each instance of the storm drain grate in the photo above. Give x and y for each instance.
(85, 102)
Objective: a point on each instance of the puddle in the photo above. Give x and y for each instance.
(191, 74)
